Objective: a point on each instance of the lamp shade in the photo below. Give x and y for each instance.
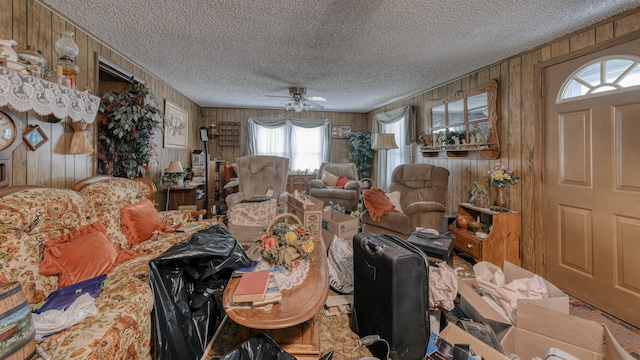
(174, 167)
(384, 142)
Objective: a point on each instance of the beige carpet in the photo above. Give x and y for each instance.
(336, 335)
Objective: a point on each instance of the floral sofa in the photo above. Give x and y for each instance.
(30, 220)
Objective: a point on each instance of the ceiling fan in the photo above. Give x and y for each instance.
(299, 102)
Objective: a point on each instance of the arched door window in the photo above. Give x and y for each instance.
(611, 73)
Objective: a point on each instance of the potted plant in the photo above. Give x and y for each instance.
(362, 153)
(126, 127)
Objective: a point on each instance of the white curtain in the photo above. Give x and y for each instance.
(402, 123)
(305, 142)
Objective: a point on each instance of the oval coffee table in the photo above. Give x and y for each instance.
(292, 322)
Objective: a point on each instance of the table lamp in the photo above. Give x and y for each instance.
(384, 142)
(175, 167)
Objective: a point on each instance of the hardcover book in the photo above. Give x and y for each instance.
(251, 287)
(273, 294)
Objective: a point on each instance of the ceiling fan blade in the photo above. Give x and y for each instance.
(314, 105)
(316, 98)
(279, 96)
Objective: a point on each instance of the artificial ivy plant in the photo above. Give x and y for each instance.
(362, 154)
(126, 127)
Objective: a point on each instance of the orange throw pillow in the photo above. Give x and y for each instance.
(82, 254)
(342, 182)
(139, 220)
(377, 203)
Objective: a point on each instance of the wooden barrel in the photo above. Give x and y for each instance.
(17, 334)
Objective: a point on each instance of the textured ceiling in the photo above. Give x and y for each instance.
(359, 55)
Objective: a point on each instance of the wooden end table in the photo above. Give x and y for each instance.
(292, 323)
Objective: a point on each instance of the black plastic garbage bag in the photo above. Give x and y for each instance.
(258, 347)
(184, 280)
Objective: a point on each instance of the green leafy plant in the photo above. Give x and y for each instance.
(126, 127)
(362, 154)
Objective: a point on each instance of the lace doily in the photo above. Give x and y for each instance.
(288, 279)
(24, 92)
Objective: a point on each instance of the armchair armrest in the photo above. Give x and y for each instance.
(424, 206)
(233, 199)
(315, 184)
(352, 185)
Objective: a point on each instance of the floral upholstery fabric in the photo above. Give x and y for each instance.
(253, 213)
(109, 197)
(122, 329)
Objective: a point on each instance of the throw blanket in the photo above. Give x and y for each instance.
(377, 203)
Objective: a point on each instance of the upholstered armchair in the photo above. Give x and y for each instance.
(257, 174)
(338, 183)
(422, 194)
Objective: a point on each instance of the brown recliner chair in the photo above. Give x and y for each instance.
(346, 196)
(256, 174)
(423, 198)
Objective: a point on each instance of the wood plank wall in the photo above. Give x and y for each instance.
(29, 23)
(340, 147)
(521, 121)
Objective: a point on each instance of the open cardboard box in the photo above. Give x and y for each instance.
(338, 224)
(541, 324)
(540, 329)
(479, 310)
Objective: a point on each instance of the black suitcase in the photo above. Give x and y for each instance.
(391, 295)
(438, 246)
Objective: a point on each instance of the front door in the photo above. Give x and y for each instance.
(592, 190)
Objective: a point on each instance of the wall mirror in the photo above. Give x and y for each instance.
(463, 124)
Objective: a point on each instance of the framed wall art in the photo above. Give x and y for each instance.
(340, 131)
(34, 137)
(176, 128)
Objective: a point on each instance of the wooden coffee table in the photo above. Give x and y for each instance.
(292, 323)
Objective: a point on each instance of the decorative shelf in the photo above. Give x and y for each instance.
(464, 124)
(25, 92)
(228, 133)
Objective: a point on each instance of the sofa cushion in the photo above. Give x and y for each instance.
(81, 254)
(328, 178)
(377, 203)
(44, 210)
(109, 197)
(139, 221)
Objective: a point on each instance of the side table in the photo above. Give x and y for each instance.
(192, 194)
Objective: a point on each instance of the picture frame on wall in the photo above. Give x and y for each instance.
(34, 137)
(340, 131)
(176, 128)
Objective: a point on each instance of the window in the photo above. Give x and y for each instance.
(393, 157)
(606, 74)
(306, 147)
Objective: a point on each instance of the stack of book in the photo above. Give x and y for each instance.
(257, 288)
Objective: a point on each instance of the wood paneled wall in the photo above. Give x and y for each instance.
(340, 147)
(29, 23)
(521, 123)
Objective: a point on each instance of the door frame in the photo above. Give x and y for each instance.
(540, 123)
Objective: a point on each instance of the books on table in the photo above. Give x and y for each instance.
(252, 287)
(273, 294)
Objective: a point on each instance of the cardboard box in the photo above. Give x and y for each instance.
(540, 329)
(309, 214)
(338, 224)
(479, 310)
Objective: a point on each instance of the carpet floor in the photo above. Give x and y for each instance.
(336, 335)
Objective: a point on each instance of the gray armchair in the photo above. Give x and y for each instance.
(347, 196)
(423, 198)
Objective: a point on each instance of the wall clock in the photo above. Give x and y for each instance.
(10, 138)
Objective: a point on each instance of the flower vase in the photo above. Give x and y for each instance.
(501, 198)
